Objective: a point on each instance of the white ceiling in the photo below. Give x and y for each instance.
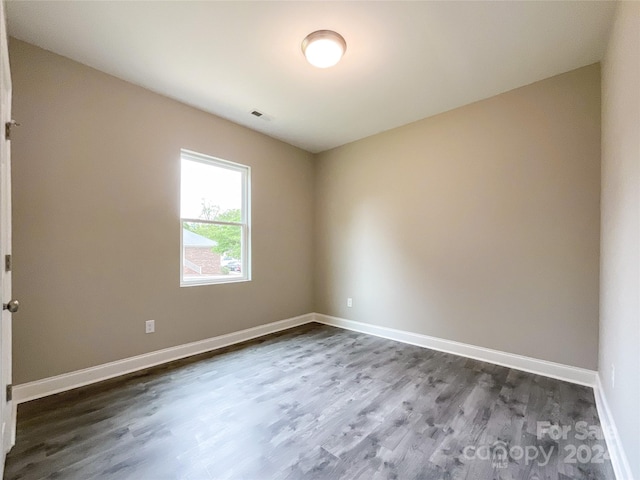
(404, 60)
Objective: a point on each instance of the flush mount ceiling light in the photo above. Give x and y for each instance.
(324, 48)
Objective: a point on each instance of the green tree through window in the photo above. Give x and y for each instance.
(227, 237)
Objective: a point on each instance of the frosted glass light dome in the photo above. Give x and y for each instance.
(324, 48)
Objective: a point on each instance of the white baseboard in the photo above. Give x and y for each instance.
(559, 371)
(619, 459)
(67, 381)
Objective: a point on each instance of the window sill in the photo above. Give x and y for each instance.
(199, 283)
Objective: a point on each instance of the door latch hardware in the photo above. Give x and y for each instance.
(7, 128)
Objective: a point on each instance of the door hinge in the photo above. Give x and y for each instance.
(7, 263)
(7, 128)
(9, 393)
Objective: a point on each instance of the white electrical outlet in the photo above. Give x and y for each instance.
(349, 302)
(149, 326)
(613, 376)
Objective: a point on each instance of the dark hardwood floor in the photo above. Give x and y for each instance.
(314, 402)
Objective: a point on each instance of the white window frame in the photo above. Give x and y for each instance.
(245, 220)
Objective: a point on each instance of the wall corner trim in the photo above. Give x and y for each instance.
(67, 381)
(567, 373)
(619, 459)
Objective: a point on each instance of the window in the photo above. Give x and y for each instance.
(214, 217)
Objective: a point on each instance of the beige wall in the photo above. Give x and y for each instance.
(620, 237)
(480, 225)
(96, 220)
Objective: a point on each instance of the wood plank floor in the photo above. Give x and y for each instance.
(314, 402)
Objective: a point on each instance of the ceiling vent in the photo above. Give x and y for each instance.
(261, 115)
